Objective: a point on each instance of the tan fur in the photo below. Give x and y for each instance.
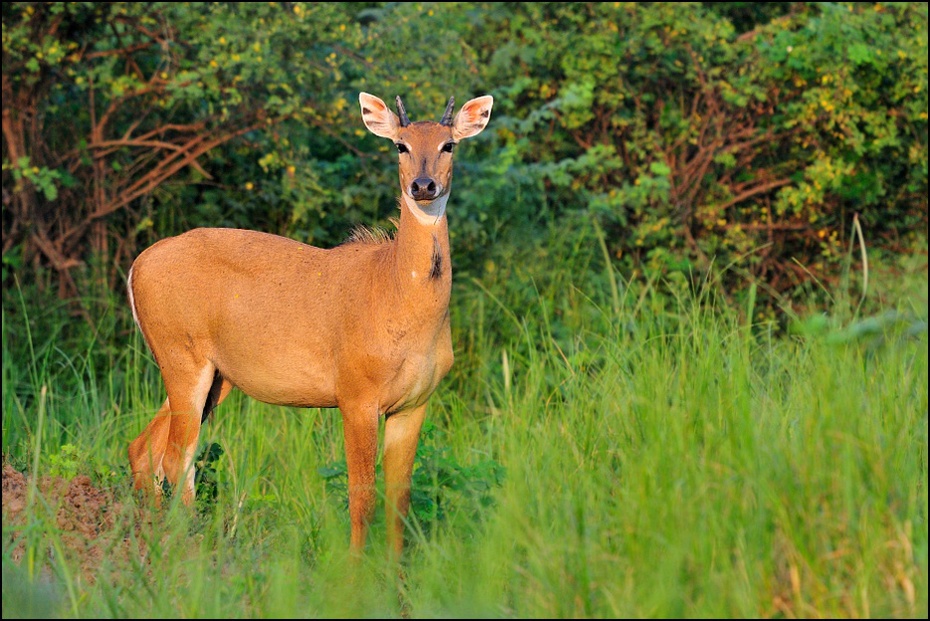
(363, 327)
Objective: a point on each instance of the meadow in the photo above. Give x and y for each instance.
(689, 308)
(604, 447)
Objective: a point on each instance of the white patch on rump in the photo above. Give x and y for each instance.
(132, 299)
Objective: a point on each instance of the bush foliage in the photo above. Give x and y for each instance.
(696, 136)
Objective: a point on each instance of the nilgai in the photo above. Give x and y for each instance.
(363, 326)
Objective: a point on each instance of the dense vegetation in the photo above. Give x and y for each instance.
(689, 306)
(663, 459)
(695, 135)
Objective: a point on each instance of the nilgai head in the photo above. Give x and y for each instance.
(425, 148)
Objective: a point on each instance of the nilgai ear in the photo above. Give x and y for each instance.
(377, 117)
(472, 118)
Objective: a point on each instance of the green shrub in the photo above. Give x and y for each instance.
(697, 135)
(696, 144)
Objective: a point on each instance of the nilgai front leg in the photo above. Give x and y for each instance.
(360, 427)
(401, 436)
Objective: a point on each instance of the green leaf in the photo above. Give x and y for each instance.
(660, 169)
(860, 53)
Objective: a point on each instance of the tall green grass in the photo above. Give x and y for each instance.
(637, 455)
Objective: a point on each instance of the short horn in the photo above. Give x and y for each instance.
(447, 117)
(404, 121)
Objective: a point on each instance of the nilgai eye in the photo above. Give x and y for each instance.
(401, 148)
(448, 147)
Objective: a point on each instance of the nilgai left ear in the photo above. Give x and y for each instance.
(377, 117)
(472, 118)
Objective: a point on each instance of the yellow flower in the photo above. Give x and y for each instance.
(249, 185)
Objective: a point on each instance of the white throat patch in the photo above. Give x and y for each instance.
(430, 214)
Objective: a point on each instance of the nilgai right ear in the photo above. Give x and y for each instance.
(377, 117)
(472, 118)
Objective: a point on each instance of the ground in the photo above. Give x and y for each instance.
(84, 515)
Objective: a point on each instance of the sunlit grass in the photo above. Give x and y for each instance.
(659, 458)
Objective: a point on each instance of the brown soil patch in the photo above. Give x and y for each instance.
(85, 517)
